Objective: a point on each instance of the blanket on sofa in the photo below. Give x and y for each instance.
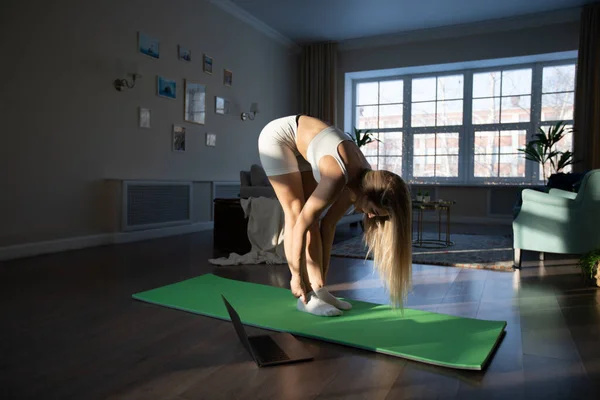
(266, 222)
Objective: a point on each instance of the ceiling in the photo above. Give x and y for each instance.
(305, 21)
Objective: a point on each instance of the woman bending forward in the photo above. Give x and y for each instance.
(314, 169)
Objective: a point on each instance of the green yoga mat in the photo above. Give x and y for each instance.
(433, 338)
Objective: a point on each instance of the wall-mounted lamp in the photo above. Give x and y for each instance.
(120, 84)
(250, 115)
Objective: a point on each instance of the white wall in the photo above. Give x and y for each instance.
(65, 129)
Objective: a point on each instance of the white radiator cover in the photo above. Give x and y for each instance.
(155, 204)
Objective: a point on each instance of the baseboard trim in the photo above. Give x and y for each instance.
(81, 242)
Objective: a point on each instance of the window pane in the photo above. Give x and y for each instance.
(391, 91)
(424, 143)
(393, 164)
(558, 79)
(366, 93)
(515, 109)
(423, 114)
(423, 166)
(486, 165)
(486, 142)
(371, 148)
(510, 141)
(566, 143)
(423, 89)
(557, 106)
(373, 162)
(486, 111)
(516, 82)
(366, 117)
(486, 84)
(390, 116)
(447, 143)
(446, 166)
(512, 166)
(450, 87)
(449, 112)
(391, 143)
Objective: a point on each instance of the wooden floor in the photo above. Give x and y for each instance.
(70, 330)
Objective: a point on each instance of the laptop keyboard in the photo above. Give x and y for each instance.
(268, 349)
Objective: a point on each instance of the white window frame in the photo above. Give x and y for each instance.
(467, 130)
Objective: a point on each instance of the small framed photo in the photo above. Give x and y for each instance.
(207, 64)
(211, 139)
(221, 105)
(166, 87)
(227, 77)
(144, 120)
(178, 138)
(194, 102)
(184, 54)
(148, 45)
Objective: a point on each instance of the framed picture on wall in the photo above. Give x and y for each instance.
(194, 103)
(178, 138)
(227, 77)
(184, 54)
(148, 45)
(207, 64)
(221, 105)
(144, 117)
(166, 87)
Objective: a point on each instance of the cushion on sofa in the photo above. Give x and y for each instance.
(258, 177)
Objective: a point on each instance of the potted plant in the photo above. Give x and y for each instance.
(419, 195)
(426, 197)
(362, 137)
(543, 149)
(590, 264)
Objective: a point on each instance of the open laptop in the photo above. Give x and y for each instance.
(272, 349)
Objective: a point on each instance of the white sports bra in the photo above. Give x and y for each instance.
(326, 144)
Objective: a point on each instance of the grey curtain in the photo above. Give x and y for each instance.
(318, 80)
(587, 92)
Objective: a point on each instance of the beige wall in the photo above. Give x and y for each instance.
(65, 129)
(549, 33)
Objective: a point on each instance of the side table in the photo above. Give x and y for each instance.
(230, 227)
(441, 206)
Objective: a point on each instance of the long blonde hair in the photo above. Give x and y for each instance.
(389, 238)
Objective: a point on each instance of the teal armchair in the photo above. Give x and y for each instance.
(559, 221)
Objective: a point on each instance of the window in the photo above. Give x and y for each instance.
(501, 101)
(380, 108)
(464, 126)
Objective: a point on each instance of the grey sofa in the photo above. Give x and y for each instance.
(254, 183)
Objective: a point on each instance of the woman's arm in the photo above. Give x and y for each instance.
(322, 197)
(328, 224)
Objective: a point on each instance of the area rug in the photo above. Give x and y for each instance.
(427, 337)
(469, 251)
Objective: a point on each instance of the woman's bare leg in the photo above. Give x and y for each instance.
(314, 247)
(289, 191)
(315, 261)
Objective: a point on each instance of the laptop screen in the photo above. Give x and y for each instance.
(237, 323)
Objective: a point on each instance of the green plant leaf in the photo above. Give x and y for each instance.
(565, 159)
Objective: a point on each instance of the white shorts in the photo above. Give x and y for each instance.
(277, 148)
